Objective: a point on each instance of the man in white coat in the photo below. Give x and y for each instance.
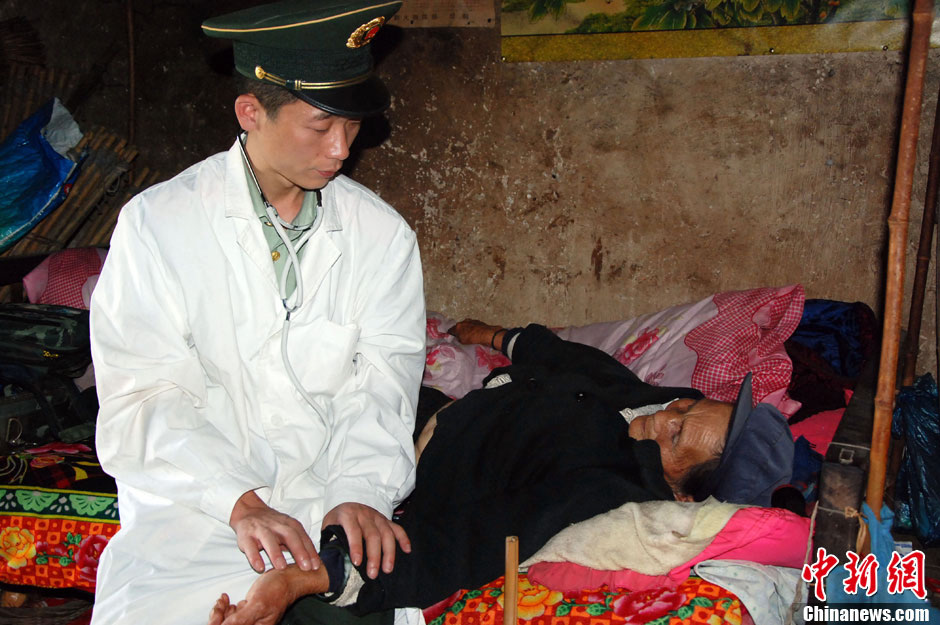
(258, 337)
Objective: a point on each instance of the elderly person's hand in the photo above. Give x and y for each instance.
(269, 597)
(474, 332)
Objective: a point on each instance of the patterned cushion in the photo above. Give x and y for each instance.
(58, 509)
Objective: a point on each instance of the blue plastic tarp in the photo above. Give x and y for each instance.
(917, 489)
(34, 178)
(894, 586)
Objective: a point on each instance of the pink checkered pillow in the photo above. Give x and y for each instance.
(746, 334)
(65, 278)
(709, 345)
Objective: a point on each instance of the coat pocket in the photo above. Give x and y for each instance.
(322, 354)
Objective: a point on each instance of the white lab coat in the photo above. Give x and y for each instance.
(196, 405)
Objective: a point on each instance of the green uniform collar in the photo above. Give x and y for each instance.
(279, 254)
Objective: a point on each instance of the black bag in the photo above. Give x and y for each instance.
(47, 337)
(42, 347)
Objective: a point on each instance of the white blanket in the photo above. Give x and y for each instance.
(652, 537)
(768, 592)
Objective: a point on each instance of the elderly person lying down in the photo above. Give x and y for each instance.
(563, 434)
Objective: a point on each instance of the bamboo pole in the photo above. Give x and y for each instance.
(897, 247)
(924, 251)
(511, 582)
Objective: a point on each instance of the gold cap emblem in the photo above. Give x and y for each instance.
(364, 34)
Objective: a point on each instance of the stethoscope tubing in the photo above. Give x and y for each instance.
(293, 302)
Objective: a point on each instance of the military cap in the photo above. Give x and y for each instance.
(317, 49)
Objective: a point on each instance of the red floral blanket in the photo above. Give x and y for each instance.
(694, 601)
(58, 510)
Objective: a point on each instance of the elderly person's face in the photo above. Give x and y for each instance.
(689, 432)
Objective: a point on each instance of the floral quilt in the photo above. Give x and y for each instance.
(694, 601)
(58, 510)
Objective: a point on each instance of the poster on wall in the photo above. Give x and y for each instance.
(445, 14)
(558, 30)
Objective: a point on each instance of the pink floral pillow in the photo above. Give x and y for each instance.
(709, 345)
(452, 368)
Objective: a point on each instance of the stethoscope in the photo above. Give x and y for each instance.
(293, 302)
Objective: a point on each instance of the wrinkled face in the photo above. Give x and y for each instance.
(302, 145)
(689, 432)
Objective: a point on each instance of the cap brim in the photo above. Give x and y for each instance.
(736, 426)
(758, 454)
(363, 99)
(742, 408)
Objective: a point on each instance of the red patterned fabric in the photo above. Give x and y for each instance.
(51, 552)
(58, 510)
(756, 323)
(632, 350)
(59, 278)
(694, 601)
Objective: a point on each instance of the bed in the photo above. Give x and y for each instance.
(796, 349)
(58, 509)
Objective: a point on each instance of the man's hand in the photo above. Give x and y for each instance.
(258, 526)
(361, 522)
(473, 332)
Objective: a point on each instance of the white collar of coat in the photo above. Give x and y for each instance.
(238, 200)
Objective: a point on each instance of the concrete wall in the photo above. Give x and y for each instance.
(570, 192)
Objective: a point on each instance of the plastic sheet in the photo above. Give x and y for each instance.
(882, 547)
(917, 489)
(34, 177)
